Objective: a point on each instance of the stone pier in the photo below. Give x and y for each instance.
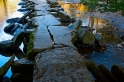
(57, 59)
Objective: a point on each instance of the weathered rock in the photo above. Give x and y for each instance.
(42, 7)
(62, 35)
(48, 20)
(39, 40)
(118, 72)
(22, 3)
(23, 66)
(53, 10)
(86, 36)
(107, 73)
(33, 14)
(24, 17)
(6, 79)
(17, 77)
(25, 26)
(64, 17)
(76, 25)
(6, 66)
(54, 13)
(95, 71)
(22, 10)
(17, 39)
(60, 65)
(9, 27)
(12, 20)
(5, 45)
(16, 26)
(9, 52)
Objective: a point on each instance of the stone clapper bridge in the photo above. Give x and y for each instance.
(51, 46)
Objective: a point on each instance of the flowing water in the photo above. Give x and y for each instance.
(8, 9)
(111, 55)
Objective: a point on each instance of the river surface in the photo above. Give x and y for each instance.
(112, 54)
(8, 9)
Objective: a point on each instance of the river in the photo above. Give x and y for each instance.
(8, 9)
(112, 54)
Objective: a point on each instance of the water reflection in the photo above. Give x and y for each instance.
(8, 9)
(79, 11)
(110, 55)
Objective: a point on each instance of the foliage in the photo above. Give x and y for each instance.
(91, 3)
(106, 5)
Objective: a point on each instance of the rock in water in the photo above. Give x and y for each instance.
(4, 45)
(6, 66)
(17, 39)
(86, 36)
(76, 25)
(107, 73)
(95, 71)
(118, 72)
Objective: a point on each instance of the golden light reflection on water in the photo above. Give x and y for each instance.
(8, 9)
(78, 12)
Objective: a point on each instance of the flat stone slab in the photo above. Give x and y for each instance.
(42, 39)
(41, 13)
(61, 35)
(48, 20)
(61, 65)
(42, 7)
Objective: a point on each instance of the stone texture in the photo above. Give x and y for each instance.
(60, 65)
(61, 35)
(42, 39)
(48, 20)
(22, 66)
(118, 72)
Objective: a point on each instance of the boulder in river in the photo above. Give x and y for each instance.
(12, 20)
(95, 71)
(5, 45)
(118, 72)
(6, 66)
(18, 39)
(107, 73)
(64, 17)
(85, 36)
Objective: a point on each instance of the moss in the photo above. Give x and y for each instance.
(109, 38)
(30, 46)
(88, 38)
(74, 37)
(95, 71)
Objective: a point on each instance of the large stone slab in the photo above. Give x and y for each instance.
(48, 20)
(42, 39)
(61, 35)
(60, 65)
